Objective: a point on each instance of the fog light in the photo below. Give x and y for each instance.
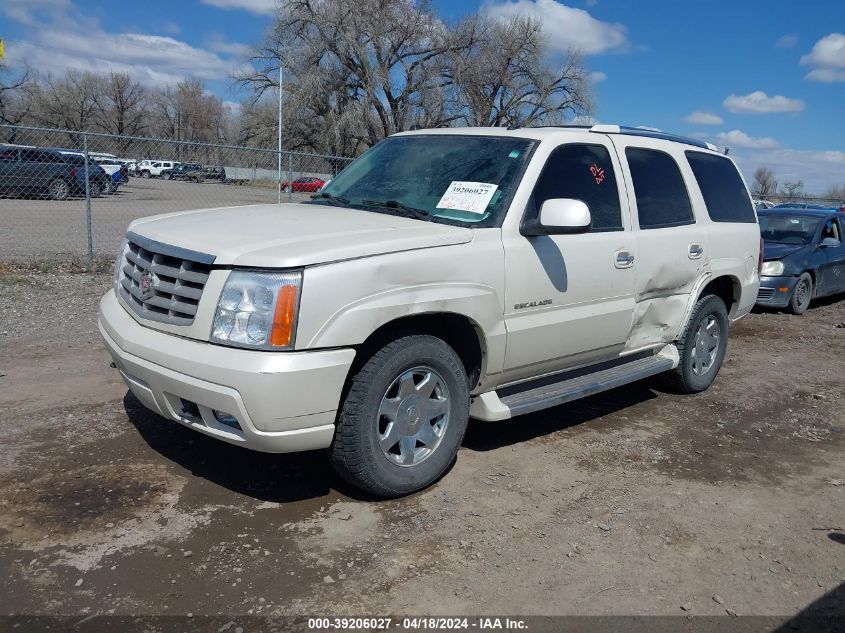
(228, 420)
(783, 289)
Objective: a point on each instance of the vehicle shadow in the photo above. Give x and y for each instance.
(825, 615)
(487, 436)
(279, 478)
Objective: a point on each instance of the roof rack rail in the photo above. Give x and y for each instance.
(638, 131)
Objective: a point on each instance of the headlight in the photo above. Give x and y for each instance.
(257, 310)
(118, 264)
(772, 269)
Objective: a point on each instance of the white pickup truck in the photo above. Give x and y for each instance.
(445, 274)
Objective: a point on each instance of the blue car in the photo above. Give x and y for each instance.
(803, 256)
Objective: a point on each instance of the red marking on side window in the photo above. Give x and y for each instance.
(598, 173)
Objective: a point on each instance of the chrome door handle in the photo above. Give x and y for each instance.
(624, 259)
(695, 251)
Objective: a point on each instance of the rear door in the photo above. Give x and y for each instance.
(671, 242)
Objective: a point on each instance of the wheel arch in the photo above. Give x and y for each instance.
(460, 332)
(727, 287)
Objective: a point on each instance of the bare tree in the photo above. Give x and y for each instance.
(793, 189)
(505, 78)
(122, 104)
(765, 184)
(69, 102)
(367, 69)
(15, 94)
(185, 112)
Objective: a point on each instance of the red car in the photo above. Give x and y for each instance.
(306, 184)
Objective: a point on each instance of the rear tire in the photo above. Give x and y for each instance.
(94, 189)
(166, 175)
(108, 187)
(802, 295)
(702, 347)
(403, 418)
(58, 190)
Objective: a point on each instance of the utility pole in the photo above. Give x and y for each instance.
(281, 80)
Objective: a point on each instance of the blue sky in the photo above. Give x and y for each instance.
(766, 78)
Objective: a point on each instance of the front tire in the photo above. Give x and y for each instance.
(802, 295)
(701, 347)
(145, 174)
(403, 418)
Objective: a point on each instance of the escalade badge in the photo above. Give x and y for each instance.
(146, 285)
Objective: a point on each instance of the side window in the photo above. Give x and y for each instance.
(583, 172)
(30, 156)
(724, 194)
(662, 198)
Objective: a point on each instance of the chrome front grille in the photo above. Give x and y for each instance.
(163, 283)
(764, 294)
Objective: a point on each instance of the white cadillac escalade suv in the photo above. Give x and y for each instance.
(445, 274)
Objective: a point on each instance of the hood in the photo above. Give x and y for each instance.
(775, 250)
(294, 235)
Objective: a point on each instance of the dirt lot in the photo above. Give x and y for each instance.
(42, 229)
(632, 502)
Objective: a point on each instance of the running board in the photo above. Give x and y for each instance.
(489, 406)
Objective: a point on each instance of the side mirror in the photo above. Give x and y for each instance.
(560, 216)
(829, 242)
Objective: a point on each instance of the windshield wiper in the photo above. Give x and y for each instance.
(330, 198)
(411, 212)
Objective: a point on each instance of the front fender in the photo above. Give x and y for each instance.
(344, 303)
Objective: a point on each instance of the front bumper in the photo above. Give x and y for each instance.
(282, 401)
(775, 292)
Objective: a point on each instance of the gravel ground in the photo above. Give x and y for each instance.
(42, 229)
(631, 502)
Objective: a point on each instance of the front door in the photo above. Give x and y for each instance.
(832, 272)
(671, 242)
(569, 298)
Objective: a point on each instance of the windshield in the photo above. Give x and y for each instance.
(786, 229)
(454, 179)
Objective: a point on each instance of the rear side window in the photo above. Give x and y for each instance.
(582, 172)
(724, 194)
(662, 198)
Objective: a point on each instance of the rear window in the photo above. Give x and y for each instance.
(662, 198)
(724, 193)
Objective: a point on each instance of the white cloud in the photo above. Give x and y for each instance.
(786, 41)
(61, 39)
(759, 102)
(703, 118)
(827, 59)
(258, 7)
(597, 76)
(738, 138)
(819, 169)
(219, 44)
(25, 11)
(566, 27)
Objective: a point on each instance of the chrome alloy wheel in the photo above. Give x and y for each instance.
(706, 346)
(413, 416)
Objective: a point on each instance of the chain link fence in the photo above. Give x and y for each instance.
(67, 195)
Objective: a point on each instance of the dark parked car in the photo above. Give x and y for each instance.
(180, 172)
(803, 256)
(308, 184)
(209, 172)
(33, 171)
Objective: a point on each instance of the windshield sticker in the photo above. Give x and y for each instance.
(467, 196)
(598, 173)
(514, 154)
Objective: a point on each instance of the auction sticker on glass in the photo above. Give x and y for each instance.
(467, 196)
